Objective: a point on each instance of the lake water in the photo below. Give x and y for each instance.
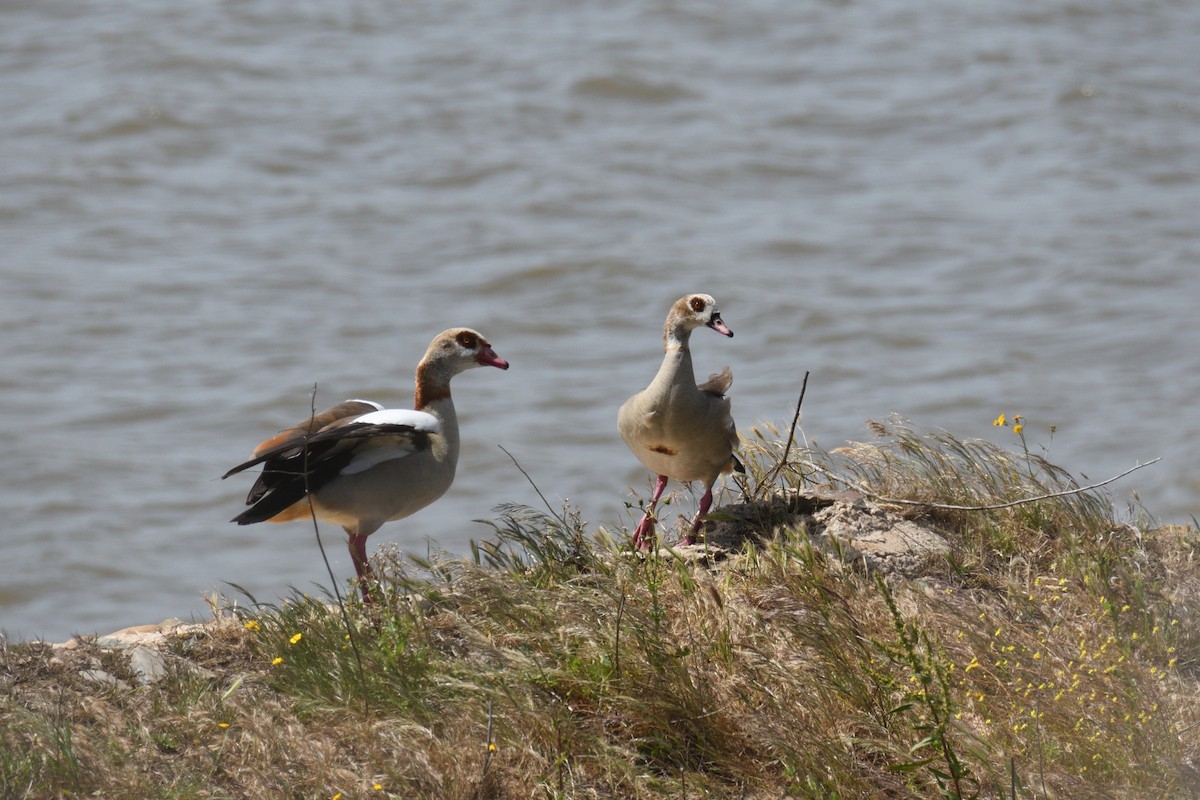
(944, 210)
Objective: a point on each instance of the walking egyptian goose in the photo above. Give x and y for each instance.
(363, 465)
(678, 429)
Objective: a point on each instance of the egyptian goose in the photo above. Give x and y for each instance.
(363, 465)
(678, 429)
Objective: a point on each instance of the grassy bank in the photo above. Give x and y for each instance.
(1053, 653)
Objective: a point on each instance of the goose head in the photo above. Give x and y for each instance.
(694, 311)
(459, 349)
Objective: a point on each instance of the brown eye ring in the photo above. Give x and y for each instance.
(697, 304)
(468, 340)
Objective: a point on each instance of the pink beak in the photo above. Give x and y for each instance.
(488, 358)
(719, 326)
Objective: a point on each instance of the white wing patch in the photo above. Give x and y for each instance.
(389, 447)
(426, 423)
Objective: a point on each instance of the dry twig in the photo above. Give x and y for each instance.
(990, 507)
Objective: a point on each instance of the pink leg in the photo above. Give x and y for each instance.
(362, 565)
(705, 503)
(645, 528)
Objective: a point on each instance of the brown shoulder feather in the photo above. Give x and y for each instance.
(339, 414)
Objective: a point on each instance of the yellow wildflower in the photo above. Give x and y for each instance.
(278, 660)
(296, 638)
(1000, 420)
(1018, 428)
(222, 725)
(252, 625)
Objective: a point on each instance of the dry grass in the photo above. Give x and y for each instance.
(1054, 654)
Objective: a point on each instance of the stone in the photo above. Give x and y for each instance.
(103, 678)
(143, 635)
(881, 540)
(148, 664)
(845, 524)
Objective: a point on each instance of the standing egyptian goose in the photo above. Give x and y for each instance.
(678, 429)
(363, 465)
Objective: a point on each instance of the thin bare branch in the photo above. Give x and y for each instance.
(312, 513)
(991, 507)
(545, 502)
(787, 449)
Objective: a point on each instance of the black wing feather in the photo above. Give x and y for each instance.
(284, 481)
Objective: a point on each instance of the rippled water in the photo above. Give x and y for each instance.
(946, 211)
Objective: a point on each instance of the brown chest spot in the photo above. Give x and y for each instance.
(662, 448)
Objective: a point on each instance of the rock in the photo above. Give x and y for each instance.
(103, 678)
(885, 543)
(147, 647)
(148, 664)
(145, 635)
(843, 524)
